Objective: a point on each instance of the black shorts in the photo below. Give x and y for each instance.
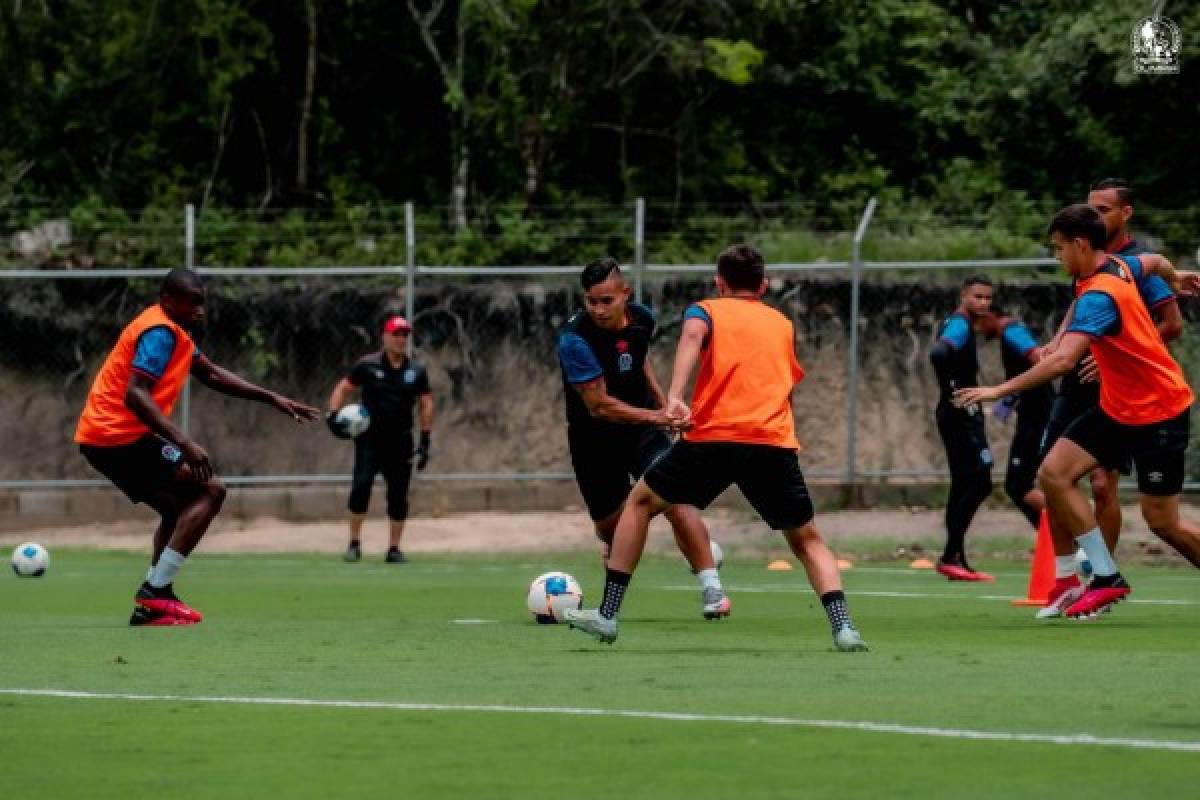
(1157, 450)
(695, 473)
(139, 469)
(606, 466)
(965, 440)
(1025, 452)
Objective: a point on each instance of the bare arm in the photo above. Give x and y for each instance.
(222, 380)
(657, 396)
(340, 394)
(687, 354)
(601, 405)
(425, 409)
(1051, 365)
(1169, 320)
(139, 400)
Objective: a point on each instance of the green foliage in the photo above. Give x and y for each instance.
(999, 112)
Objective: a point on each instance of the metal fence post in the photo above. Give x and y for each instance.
(639, 246)
(410, 291)
(189, 261)
(856, 265)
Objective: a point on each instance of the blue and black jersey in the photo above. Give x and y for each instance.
(154, 349)
(587, 352)
(1016, 342)
(954, 357)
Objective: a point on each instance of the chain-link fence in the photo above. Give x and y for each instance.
(487, 334)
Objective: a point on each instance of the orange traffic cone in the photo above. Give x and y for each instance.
(1041, 572)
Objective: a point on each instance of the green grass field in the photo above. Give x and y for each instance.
(747, 691)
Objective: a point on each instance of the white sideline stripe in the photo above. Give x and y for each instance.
(671, 716)
(915, 595)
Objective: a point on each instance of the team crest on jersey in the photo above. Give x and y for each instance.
(625, 362)
(171, 453)
(410, 375)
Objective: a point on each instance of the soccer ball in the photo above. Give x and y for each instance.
(1083, 565)
(353, 420)
(717, 553)
(30, 560)
(552, 594)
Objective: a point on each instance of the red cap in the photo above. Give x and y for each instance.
(396, 324)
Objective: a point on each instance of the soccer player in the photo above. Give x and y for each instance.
(125, 433)
(956, 363)
(1019, 351)
(1143, 415)
(1079, 392)
(739, 430)
(616, 422)
(391, 384)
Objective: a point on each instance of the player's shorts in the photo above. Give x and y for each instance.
(1025, 452)
(606, 466)
(1157, 450)
(139, 469)
(1070, 404)
(965, 439)
(695, 474)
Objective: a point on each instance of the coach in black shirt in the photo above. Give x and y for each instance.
(391, 383)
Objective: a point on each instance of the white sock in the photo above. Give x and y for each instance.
(149, 573)
(709, 579)
(167, 568)
(1093, 544)
(1064, 566)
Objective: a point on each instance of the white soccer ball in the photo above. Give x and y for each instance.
(717, 553)
(30, 560)
(552, 594)
(354, 420)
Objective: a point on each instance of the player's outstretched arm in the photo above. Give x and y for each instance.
(602, 405)
(1181, 282)
(226, 382)
(687, 354)
(1051, 366)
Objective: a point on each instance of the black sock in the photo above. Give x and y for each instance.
(615, 584)
(355, 543)
(835, 609)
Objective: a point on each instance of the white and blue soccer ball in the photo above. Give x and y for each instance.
(1083, 565)
(353, 420)
(551, 595)
(30, 560)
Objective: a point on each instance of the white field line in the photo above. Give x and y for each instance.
(799, 589)
(1075, 739)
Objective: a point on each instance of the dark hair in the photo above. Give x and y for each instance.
(1124, 190)
(598, 271)
(181, 282)
(977, 280)
(1080, 221)
(741, 266)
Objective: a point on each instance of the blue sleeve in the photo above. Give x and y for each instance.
(1153, 289)
(697, 312)
(1096, 314)
(956, 332)
(579, 363)
(1018, 338)
(154, 349)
